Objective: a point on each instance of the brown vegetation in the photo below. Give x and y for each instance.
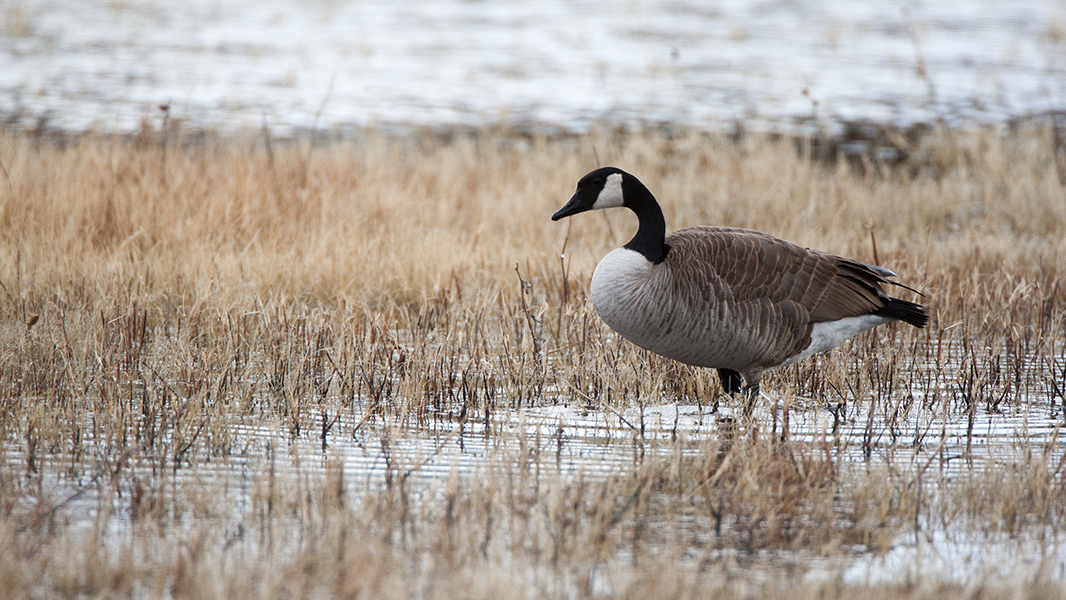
(169, 305)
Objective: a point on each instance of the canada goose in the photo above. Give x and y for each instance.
(735, 300)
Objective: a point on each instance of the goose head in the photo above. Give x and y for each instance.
(610, 187)
(602, 188)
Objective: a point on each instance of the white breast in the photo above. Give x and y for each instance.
(617, 279)
(630, 294)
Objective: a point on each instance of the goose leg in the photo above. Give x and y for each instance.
(751, 390)
(751, 395)
(732, 383)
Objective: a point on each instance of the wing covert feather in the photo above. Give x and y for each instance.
(738, 266)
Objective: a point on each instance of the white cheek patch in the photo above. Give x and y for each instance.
(611, 194)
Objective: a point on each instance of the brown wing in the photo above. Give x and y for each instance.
(768, 293)
(748, 265)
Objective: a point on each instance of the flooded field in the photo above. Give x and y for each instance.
(425, 468)
(559, 65)
(369, 368)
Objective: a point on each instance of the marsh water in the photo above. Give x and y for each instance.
(293, 66)
(567, 444)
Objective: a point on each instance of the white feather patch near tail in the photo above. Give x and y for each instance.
(829, 335)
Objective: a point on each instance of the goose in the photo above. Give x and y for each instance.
(734, 300)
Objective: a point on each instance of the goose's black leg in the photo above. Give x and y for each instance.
(732, 383)
(751, 395)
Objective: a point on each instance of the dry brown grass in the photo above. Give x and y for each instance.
(157, 303)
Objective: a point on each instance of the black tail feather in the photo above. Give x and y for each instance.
(905, 311)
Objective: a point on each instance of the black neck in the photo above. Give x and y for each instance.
(650, 239)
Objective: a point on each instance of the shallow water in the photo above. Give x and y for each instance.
(73, 65)
(564, 443)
